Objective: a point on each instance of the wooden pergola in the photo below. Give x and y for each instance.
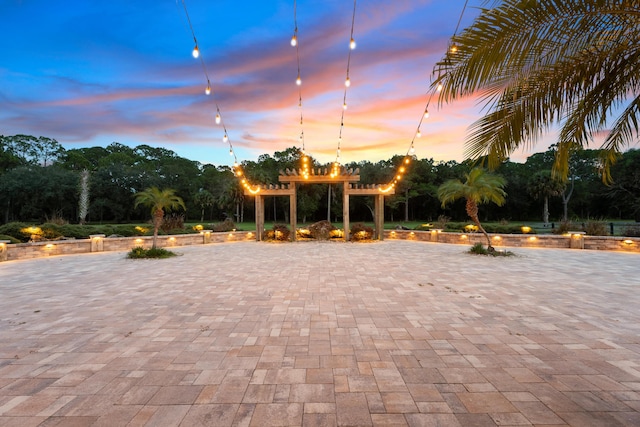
(288, 187)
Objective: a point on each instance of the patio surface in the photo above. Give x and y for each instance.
(390, 333)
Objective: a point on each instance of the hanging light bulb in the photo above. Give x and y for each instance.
(225, 138)
(294, 41)
(412, 150)
(439, 88)
(298, 80)
(418, 134)
(352, 44)
(347, 82)
(208, 89)
(338, 153)
(218, 118)
(344, 106)
(454, 48)
(426, 113)
(230, 150)
(195, 52)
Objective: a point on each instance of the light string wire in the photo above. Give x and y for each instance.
(237, 169)
(398, 175)
(335, 170)
(295, 42)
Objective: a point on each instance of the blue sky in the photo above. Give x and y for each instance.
(90, 73)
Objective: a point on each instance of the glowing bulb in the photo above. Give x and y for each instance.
(412, 151)
(208, 89)
(338, 152)
(196, 52)
(454, 48)
(230, 151)
(418, 134)
(439, 88)
(218, 118)
(347, 82)
(225, 138)
(344, 106)
(294, 41)
(352, 44)
(426, 113)
(298, 80)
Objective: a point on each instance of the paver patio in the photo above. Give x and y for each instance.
(322, 334)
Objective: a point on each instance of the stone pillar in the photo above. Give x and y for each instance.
(577, 239)
(4, 250)
(97, 242)
(206, 236)
(345, 209)
(293, 211)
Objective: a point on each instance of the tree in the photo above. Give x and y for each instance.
(542, 186)
(158, 200)
(539, 63)
(203, 199)
(479, 187)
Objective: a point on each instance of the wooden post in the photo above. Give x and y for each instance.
(259, 217)
(293, 211)
(379, 216)
(345, 209)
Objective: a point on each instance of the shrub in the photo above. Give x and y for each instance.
(361, 232)
(321, 230)
(564, 227)
(424, 227)
(441, 223)
(172, 222)
(478, 249)
(11, 239)
(226, 225)
(596, 228)
(140, 253)
(279, 232)
(50, 231)
(631, 231)
(17, 230)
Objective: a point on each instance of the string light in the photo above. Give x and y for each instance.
(196, 52)
(208, 89)
(426, 113)
(294, 40)
(347, 82)
(218, 118)
(298, 80)
(352, 44)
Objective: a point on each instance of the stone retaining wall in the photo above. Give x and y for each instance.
(573, 240)
(100, 243)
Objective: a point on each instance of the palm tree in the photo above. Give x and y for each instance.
(158, 200)
(542, 186)
(574, 63)
(479, 187)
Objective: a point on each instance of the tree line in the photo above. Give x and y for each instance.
(40, 180)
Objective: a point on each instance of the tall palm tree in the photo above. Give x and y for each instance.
(158, 200)
(542, 186)
(479, 187)
(536, 63)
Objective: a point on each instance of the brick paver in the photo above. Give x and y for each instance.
(321, 334)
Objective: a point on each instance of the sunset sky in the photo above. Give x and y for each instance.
(90, 73)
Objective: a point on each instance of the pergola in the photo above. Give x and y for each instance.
(288, 187)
